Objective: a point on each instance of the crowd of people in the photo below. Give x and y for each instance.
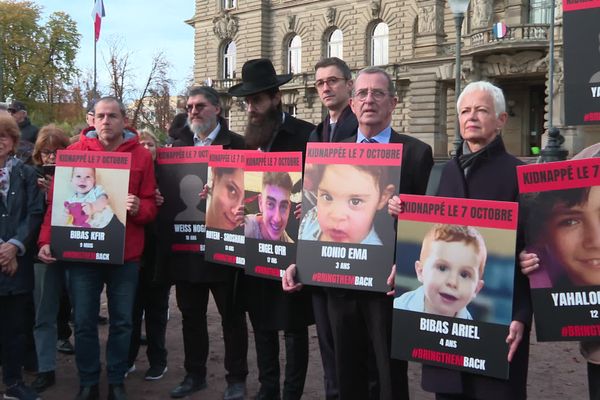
(354, 328)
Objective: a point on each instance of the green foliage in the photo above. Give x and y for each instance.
(37, 61)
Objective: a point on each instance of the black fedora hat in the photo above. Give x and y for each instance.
(257, 76)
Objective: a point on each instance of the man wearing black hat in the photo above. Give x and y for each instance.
(18, 110)
(270, 310)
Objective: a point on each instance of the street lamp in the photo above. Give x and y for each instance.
(459, 8)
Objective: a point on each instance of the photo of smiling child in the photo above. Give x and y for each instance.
(450, 268)
(347, 199)
(89, 206)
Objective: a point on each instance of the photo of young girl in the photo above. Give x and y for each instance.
(563, 230)
(226, 194)
(346, 200)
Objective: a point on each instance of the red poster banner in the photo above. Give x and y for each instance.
(573, 5)
(354, 153)
(447, 210)
(559, 175)
(184, 155)
(274, 162)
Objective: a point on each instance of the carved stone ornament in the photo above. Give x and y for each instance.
(482, 14)
(225, 25)
(331, 12)
(291, 20)
(375, 8)
(426, 19)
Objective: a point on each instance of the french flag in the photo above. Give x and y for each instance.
(499, 30)
(97, 14)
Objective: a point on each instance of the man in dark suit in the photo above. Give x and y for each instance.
(359, 318)
(194, 278)
(271, 310)
(333, 81)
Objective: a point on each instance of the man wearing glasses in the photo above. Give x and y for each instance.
(333, 80)
(194, 278)
(358, 317)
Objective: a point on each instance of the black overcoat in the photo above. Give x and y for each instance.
(190, 267)
(492, 176)
(269, 307)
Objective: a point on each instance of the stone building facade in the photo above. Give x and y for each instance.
(414, 40)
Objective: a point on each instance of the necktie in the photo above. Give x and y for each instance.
(365, 140)
(331, 130)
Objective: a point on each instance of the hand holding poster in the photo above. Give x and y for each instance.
(269, 225)
(562, 203)
(182, 173)
(225, 242)
(454, 283)
(346, 236)
(89, 207)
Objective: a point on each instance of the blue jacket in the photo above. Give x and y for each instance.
(20, 219)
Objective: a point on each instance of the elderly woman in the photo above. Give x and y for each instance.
(49, 293)
(483, 169)
(21, 212)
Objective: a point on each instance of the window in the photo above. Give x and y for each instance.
(379, 44)
(540, 11)
(229, 54)
(335, 44)
(229, 4)
(291, 109)
(295, 55)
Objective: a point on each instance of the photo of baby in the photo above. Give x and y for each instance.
(563, 230)
(88, 207)
(450, 268)
(345, 200)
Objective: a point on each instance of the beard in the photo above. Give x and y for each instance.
(260, 131)
(200, 130)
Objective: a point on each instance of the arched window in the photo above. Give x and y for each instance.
(295, 55)
(335, 44)
(229, 55)
(379, 44)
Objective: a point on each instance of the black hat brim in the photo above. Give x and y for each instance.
(249, 88)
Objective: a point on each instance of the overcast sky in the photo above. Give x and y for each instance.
(143, 27)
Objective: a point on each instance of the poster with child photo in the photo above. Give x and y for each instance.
(562, 234)
(181, 174)
(455, 261)
(273, 185)
(90, 206)
(346, 236)
(225, 241)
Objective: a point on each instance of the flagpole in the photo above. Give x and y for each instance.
(95, 92)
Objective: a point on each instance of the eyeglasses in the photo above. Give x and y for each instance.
(197, 106)
(329, 81)
(48, 153)
(376, 94)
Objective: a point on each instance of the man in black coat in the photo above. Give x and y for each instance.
(194, 277)
(333, 81)
(361, 317)
(361, 320)
(483, 169)
(270, 309)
